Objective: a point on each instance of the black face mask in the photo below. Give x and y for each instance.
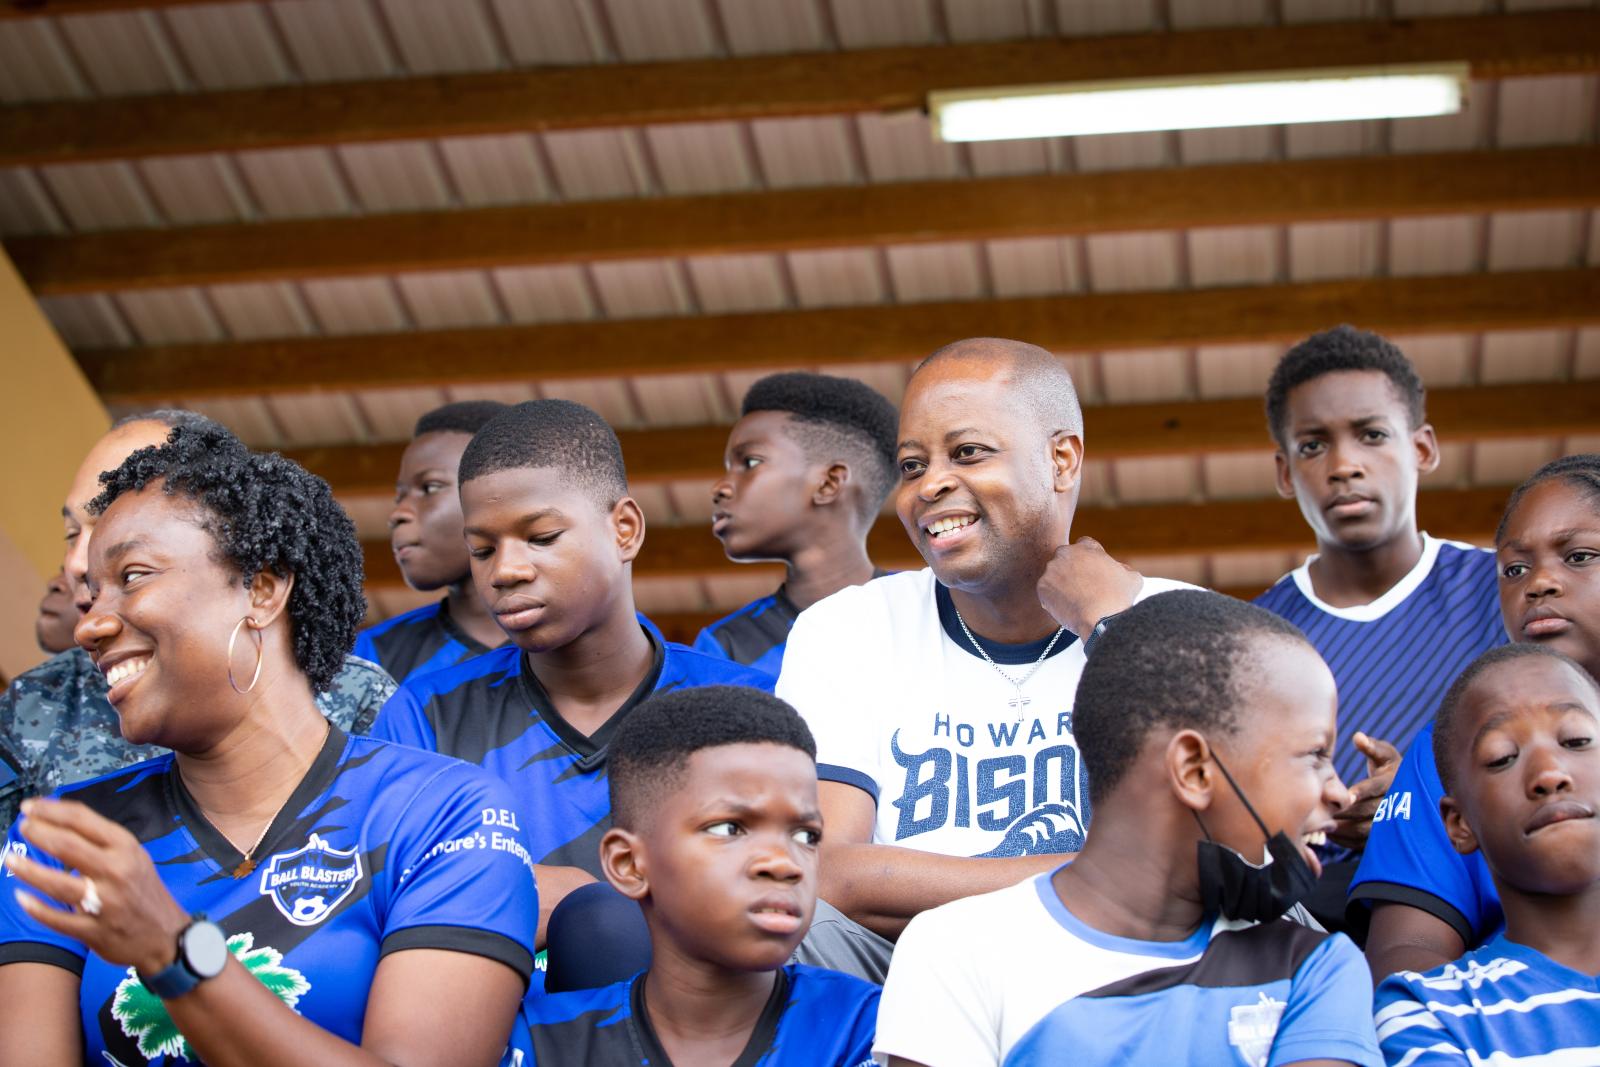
(1239, 889)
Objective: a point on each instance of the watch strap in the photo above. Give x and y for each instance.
(178, 977)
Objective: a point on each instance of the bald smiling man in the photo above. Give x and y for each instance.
(941, 699)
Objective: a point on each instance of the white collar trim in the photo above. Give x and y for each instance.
(1386, 603)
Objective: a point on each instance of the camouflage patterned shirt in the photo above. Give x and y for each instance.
(57, 727)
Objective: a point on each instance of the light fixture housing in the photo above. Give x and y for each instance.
(1268, 98)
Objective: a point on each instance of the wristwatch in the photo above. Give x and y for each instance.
(1098, 632)
(202, 953)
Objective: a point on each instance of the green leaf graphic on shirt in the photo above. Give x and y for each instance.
(144, 1017)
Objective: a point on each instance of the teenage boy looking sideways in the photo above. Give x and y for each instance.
(425, 534)
(1208, 727)
(809, 465)
(1397, 614)
(1515, 745)
(552, 534)
(941, 699)
(714, 794)
(1439, 902)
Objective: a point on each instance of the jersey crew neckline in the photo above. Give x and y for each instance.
(761, 1037)
(318, 777)
(1028, 652)
(591, 749)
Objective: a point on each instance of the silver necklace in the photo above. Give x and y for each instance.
(1019, 701)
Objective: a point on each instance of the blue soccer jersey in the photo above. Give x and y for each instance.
(1502, 1004)
(814, 1018)
(1014, 978)
(1394, 658)
(492, 711)
(1410, 860)
(418, 641)
(755, 635)
(379, 849)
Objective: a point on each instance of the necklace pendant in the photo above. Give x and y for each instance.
(245, 868)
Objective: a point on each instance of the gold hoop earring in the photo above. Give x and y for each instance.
(234, 637)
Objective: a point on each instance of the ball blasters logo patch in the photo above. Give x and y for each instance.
(308, 883)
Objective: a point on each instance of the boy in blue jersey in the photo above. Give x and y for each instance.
(1395, 613)
(1515, 743)
(1439, 902)
(425, 534)
(716, 831)
(1208, 727)
(809, 466)
(552, 534)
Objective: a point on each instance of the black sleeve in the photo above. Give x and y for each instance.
(466, 939)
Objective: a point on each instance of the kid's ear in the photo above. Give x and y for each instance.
(1066, 460)
(834, 481)
(1280, 463)
(1188, 764)
(1427, 446)
(622, 862)
(627, 522)
(269, 598)
(1455, 826)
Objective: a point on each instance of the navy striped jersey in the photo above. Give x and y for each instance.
(1504, 1004)
(492, 711)
(1410, 860)
(423, 639)
(379, 849)
(1394, 658)
(814, 1018)
(1013, 977)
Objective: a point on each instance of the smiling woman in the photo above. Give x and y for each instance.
(226, 588)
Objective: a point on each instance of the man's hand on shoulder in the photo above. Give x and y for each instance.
(1082, 584)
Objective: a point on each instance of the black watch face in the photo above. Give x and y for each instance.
(205, 949)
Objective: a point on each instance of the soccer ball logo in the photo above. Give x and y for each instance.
(306, 885)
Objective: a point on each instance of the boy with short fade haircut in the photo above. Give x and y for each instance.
(552, 533)
(1207, 726)
(809, 465)
(714, 793)
(1396, 613)
(425, 534)
(1515, 746)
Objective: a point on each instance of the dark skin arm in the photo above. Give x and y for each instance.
(1403, 938)
(883, 887)
(427, 1006)
(46, 997)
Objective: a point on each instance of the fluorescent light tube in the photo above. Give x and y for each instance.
(1266, 99)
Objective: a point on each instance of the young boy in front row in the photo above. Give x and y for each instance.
(715, 832)
(1208, 727)
(1514, 742)
(552, 534)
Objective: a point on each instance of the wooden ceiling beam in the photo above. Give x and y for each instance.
(874, 334)
(758, 87)
(1115, 431)
(855, 216)
(1136, 530)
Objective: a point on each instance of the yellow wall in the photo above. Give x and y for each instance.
(49, 417)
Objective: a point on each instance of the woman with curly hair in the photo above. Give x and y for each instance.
(271, 891)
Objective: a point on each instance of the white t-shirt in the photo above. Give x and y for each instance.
(901, 708)
(1012, 977)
